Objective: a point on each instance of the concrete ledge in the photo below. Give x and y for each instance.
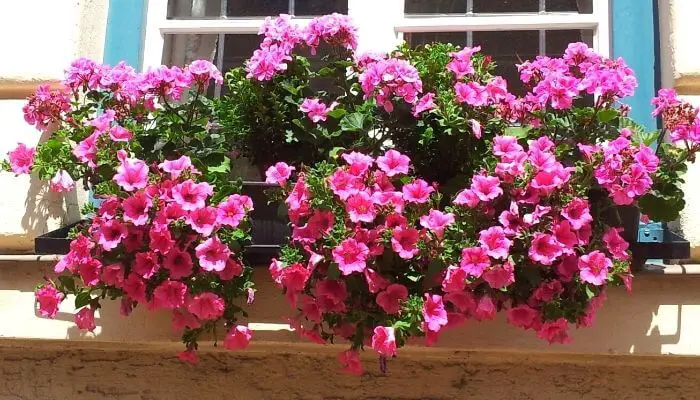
(268, 370)
(21, 88)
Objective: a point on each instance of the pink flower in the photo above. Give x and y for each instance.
(49, 299)
(350, 362)
(393, 163)
(390, 299)
(169, 295)
(344, 184)
(62, 182)
(189, 356)
(120, 134)
(178, 262)
(278, 173)
(594, 267)
(86, 150)
(331, 295)
(89, 271)
(294, 277)
(495, 242)
(384, 341)
(191, 196)
(461, 62)
(146, 264)
(203, 70)
(233, 210)
(238, 338)
(315, 110)
(176, 167)
(486, 188)
(404, 241)
(578, 213)
(360, 207)
(474, 260)
(351, 256)
(455, 279)
(499, 277)
(471, 93)
(132, 174)
(85, 319)
(136, 208)
(485, 309)
(544, 249)
(21, 159)
(555, 331)
(212, 254)
(161, 239)
(476, 128)
(425, 103)
(103, 121)
(467, 198)
(206, 306)
(375, 282)
(523, 316)
(437, 221)
(358, 163)
(417, 191)
(434, 313)
(203, 220)
(183, 319)
(616, 245)
(233, 269)
(135, 287)
(111, 233)
(113, 274)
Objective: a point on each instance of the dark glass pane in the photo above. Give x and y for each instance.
(187, 9)
(257, 8)
(557, 41)
(435, 6)
(417, 39)
(320, 7)
(181, 50)
(506, 6)
(238, 48)
(509, 48)
(579, 6)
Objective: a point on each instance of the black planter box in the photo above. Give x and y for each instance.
(269, 229)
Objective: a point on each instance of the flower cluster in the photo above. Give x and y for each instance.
(159, 241)
(45, 106)
(282, 37)
(388, 78)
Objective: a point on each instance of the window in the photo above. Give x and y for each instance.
(225, 31)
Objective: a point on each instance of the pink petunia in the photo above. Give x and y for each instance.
(467, 198)
(524, 317)
(111, 233)
(190, 195)
(390, 299)
(170, 295)
(555, 331)
(294, 277)
(86, 150)
(425, 103)
(393, 163)
(279, 173)
(350, 362)
(49, 299)
(616, 245)
(62, 182)
(189, 356)
(501, 276)
(455, 279)
(474, 260)
(120, 134)
(358, 163)
(178, 263)
(495, 242)
(132, 174)
(161, 240)
(176, 167)
(384, 341)
(351, 256)
(212, 254)
(345, 184)
(485, 309)
(594, 267)
(404, 241)
(360, 207)
(434, 313)
(238, 338)
(234, 209)
(146, 264)
(206, 306)
(203, 220)
(486, 188)
(113, 274)
(135, 287)
(437, 221)
(136, 208)
(89, 271)
(577, 212)
(85, 319)
(544, 249)
(21, 159)
(417, 191)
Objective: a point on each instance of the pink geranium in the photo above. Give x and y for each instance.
(437, 221)
(206, 306)
(594, 267)
(169, 295)
(62, 182)
(384, 341)
(393, 163)
(351, 256)
(279, 173)
(316, 110)
(390, 299)
(404, 241)
(238, 338)
(21, 159)
(49, 299)
(190, 195)
(434, 313)
(417, 191)
(85, 319)
(495, 242)
(212, 254)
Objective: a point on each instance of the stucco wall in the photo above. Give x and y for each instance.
(40, 38)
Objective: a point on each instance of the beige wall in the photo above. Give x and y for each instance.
(36, 50)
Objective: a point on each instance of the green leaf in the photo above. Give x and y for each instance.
(352, 122)
(607, 115)
(519, 132)
(223, 168)
(333, 153)
(82, 299)
(337, 113)
(589, 292)
(67, 282)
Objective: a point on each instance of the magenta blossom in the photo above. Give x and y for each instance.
(390, 299)
(21, 159)
(279, 173)
(238, 338)
(132, 174)
(212, 254)
(85, 319)
(594, 268)
(393, 163)
(404, 241)
(190, 195)
(434, 313)
(495, 242)
(474, 260)
(62, 182)
(49, 299)
(315, 110)
(176, 167)
(417, 191)
(437, 221)
(206, 306)
(351, 256)
(384, 341)
(360, 207)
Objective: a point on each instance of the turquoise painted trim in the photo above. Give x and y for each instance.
(124, 38)
(634, 38)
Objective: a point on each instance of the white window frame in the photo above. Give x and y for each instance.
(382, 23)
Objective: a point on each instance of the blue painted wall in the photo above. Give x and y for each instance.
(124, 38)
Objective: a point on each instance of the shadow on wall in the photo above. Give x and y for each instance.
(662, 316)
